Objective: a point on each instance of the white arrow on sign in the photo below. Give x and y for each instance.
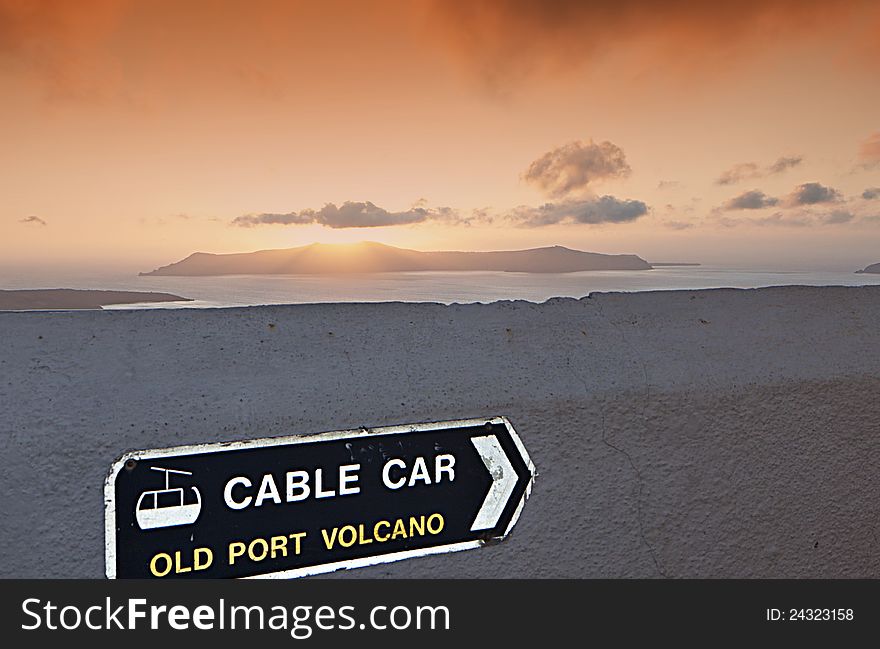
(504, 469)
(504, 480)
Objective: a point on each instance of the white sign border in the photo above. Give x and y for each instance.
(216, 447)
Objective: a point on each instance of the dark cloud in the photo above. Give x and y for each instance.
(871, 193)
(502, 42)
(593, 210)
(808, 204)
(350, 214)
(572, 167)
(812, 194)
(751, 200)
(604, 209)
(36, 220)
(783, 164)
(751, 170)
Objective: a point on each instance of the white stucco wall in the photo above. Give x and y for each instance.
(721, 433)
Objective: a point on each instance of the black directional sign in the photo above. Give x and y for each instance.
(302, 505)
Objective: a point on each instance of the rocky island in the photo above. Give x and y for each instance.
(66, 298)
(369, 257)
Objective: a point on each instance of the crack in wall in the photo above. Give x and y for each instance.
(639, 478)
(641, 484)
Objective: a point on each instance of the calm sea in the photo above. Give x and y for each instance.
(444, 287)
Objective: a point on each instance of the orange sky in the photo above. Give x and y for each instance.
(136, 132)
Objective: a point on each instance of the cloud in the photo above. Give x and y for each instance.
(869, 151)
(592, 210)
(783, 164)
(36, 220)
(678, 225)
(837, 216)
(800, 218)
(812, 194)
(573, 166)
(350, 214)
(737, 173)
(805, 194)
(604, 209)
(113, 47)
(781, 218)
(668, 184)
(751, 170)
(62, 43)
(179, 217)
(871, 193)
(502, 42)
(751, 200)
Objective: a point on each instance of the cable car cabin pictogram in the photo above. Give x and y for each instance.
(167, 507)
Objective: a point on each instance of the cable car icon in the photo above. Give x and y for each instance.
(167, 507)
